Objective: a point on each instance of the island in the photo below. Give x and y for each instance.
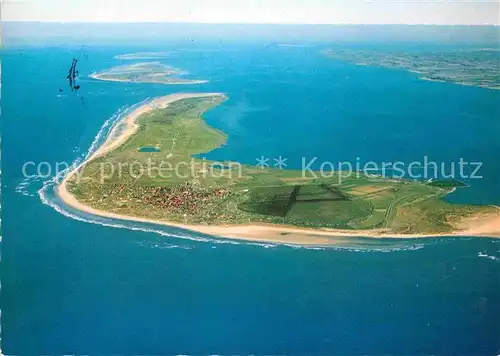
(150, 169)
(473, 67)
(145, 72)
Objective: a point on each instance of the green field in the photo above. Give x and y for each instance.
(169, 183)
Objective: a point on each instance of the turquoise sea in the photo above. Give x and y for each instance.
(77, 284)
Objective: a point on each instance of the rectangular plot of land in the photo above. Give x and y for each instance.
(333, 213)
(368, 189)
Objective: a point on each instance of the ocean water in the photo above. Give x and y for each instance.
(77, 284)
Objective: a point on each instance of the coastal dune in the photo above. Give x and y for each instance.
(487, 225)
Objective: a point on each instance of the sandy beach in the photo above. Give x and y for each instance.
(486, 225)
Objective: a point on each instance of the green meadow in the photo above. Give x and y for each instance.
(168, 181)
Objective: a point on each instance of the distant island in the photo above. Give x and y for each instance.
(145, 72)
(142, 55)
(474, 67)
(265, 204)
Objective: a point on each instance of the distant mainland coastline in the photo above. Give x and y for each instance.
(472, 67)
